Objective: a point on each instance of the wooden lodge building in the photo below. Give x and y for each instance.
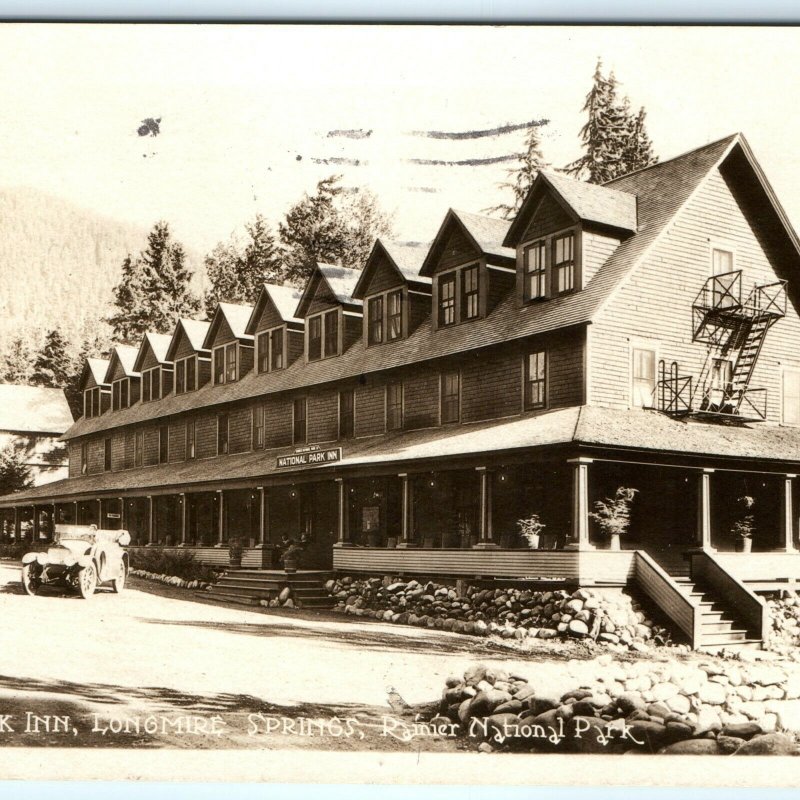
(643, 333)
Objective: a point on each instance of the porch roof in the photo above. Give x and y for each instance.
(630, 430)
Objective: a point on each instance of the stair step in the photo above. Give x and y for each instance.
(735, 635)
(242, 600)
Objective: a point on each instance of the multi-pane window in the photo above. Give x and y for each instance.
(299, 420)
(791, 397)
(722, 269)
(394, 406)
(219, 365)
(721, 373)
(180, 377)
(262, 352)
(84, 458)
(191, 439)
(270, 350)
(138, 449)
(151, 384)
(451, 396)
(222, 434)
(314, 338)
(469, 292)
(120, 394)
(107, 454)
(163, 444)
(331, 333)
(225, 367)
(535, 271)
(644, 377)
(186, 375)
(375, 320)
(258, 426)
(394, 315)
(564, 263)
(92, 402)
(146, 381)
(230, 362)
(347, 417)
(721, 261)
(447, 299)
(536, 380)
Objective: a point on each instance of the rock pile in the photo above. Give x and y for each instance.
(283, 599)
(171, 580)
(606, 616)
(679, 708)
(785, 614)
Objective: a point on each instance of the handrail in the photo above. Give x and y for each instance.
(751, 608)
(657, 584)
(721, 292)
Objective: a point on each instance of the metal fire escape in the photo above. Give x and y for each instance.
(733, 332)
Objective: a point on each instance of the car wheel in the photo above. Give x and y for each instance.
(31, 580)
(118, 584)
(87, 581)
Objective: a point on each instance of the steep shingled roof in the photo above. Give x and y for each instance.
(342, 282)
(33, 409)
(408, 259)
(285, 299)
(236, 316)
(126, 356)
(97, 368)
(488, 232)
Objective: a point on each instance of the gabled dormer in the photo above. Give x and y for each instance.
(277, 331)
(564, 231)
(332, 315)
(469, 266)
(151, 361)
(96, 392)
(122, 376)
(231, 347)
(396, 297)
(191, 360)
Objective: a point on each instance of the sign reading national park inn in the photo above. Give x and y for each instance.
(309, 457)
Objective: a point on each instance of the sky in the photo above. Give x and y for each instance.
(250, 114)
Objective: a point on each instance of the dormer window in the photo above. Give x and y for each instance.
(459, 295)
(550, 266)
(394, 315)
(270, 347)
(186, 375)
(375, 320)
(564, 263)
(151, 384)
(323, 335)
(385, 317)
(469, 293)
(535, 263)
(91, 403)
(120, 394)
(225, 363)
(447, 300)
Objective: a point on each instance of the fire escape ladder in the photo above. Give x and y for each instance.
(756, 333)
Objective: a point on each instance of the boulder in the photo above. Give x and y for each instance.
(578, 629)
(768, 744)
(586, 735)
(650, 735)
(744, 730)
(729, 744)
(692, 747)
(485, 702)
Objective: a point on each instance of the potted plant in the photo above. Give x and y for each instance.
(235, 550)
(292, 549)
(613, 515)
(744, 526)
(530, 528)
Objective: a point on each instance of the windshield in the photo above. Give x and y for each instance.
(74, 537)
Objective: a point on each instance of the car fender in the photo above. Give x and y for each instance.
(84, 561)
(29, 558)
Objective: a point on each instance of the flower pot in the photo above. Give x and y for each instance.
(533, 541)
(745, 545)
(613, 542)
(391, 542)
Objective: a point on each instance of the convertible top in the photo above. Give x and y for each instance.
(87, 533)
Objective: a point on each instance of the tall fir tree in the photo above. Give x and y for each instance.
(237, 273)
(154, 290)
(15, 474)
(521, 178)
(17, 362)
(332, 227)
(615, 140)
(52, 365)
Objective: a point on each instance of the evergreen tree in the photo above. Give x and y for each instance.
(15, 474)
(237, 274)
(331, 228)
(615, 141)
(523, 176)
(52, 366)
(17, 363)
(154, 290)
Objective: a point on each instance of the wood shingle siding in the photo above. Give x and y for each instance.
(384, 277)
(491, 386)
(421, 399)
(150, 446)
(278, 422)
(322, 415)
(596, 249)
(548, 218)
(206, 435)
(177, 440)
(456, 251)
(118, 452)
(370, 402)
(240, 430)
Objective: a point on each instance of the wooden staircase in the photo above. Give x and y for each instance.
(250, 586)
(719, 625)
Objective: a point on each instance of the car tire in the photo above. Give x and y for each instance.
(118, 583)
(87, 581)
(30, 581)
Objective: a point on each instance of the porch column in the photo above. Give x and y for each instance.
(220, 517)
(150, 519)
(77, 517)
(485, 537)
(17, 525)
(406, 511)
(580, 504)
(787, 515)
(122, 513)
(35, 525)
(704, 511)
(263, 517)
(99, 513)
(343, 538)
(182, 500)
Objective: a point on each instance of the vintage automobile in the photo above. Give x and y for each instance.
(81, 557)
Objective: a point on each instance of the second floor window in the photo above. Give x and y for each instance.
(120, 394)
(564, 263)
(375, 320)
(331, 333)
(394, 315)
(299, 420)
(92, 402)
(314, 338)
(347, 417)
(84, 458)
(191, 439)
(225, 370)
(151, 384)
(138, 449)
(270, 350)
(451, 396)
(107, 454)
(644, 377)
(469, 292)
(535, 380)
(258, 427)
(535, 262)
(394, 407)
(163, 444)
(230, 363)
(323, 335)
(186, 375)
(447, 300)
(222, 434)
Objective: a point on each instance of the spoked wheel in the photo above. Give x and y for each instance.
(118, 584)
(87, 581)
(31, 580)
